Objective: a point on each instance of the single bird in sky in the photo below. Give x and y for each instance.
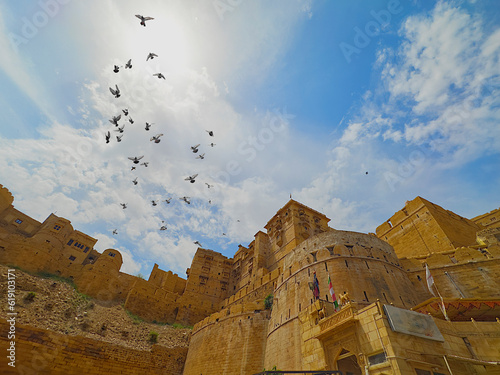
(146, 163)
(191, 178)
(116, 69)
(167, 201)
(197, 243)
(128, 65)
(125, 111)
(116, 92)
(154, 203)
(115, 120)
(115, 231)
(201, 156)
(156, 138)
(159, 75)
(210, 133)
(133, 168)
(208, 185)
(185, 199)
(130, 120)
(124, 205)
(151, 56)
(119, 138)
(148, 125)
(195, 148)
(136, 159)
(108, 136)
(120, 129)
(212, 144)
(135, 181)
(163, 227)
(144, 19)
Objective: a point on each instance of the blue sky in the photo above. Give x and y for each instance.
(304, 97)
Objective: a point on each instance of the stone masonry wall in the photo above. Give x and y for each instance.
(42, 352)
(228, 345)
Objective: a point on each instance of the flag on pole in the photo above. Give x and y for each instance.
(430, 283)
(316, 286)
(430, 279)
(332, 293)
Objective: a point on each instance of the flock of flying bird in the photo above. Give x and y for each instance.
(156, 138)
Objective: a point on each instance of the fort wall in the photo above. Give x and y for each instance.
(422, 228)
(43, 352)
(461, 273)
(229, 342)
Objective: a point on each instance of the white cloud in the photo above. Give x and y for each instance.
(259, 158)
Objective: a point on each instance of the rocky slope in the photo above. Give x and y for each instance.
(54, 304)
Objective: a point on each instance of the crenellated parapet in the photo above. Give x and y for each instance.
(6, 198)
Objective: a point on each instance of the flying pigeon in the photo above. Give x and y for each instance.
(108, 136)
(135, 181)
(163, 227)
(156, 138)
(128, 64)
(197, 243)
(133, 168)
(115, 231)
(191, 178)
(154, 203)
(125, 111)
(116, 92)
(115, 120)
(159, 75)
(185, 199)
(116, 69)
(212, 144)
(130, 120)
(168, 200)
(148, 125)
(208, 185)
(201, 156)
(195, 148)
(144, 19)
(209, 201)
(119, 138)
(210, 133)
(120, 129)
(136, 159)
(151, 56)
(145, 163)
(124, 205)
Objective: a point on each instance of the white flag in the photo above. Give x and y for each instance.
(430, 280)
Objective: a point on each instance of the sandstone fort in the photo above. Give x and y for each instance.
(257, 310)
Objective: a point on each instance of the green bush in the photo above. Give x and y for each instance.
(268, 302)
(153, 337)
(135, 319)
(30, 296)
